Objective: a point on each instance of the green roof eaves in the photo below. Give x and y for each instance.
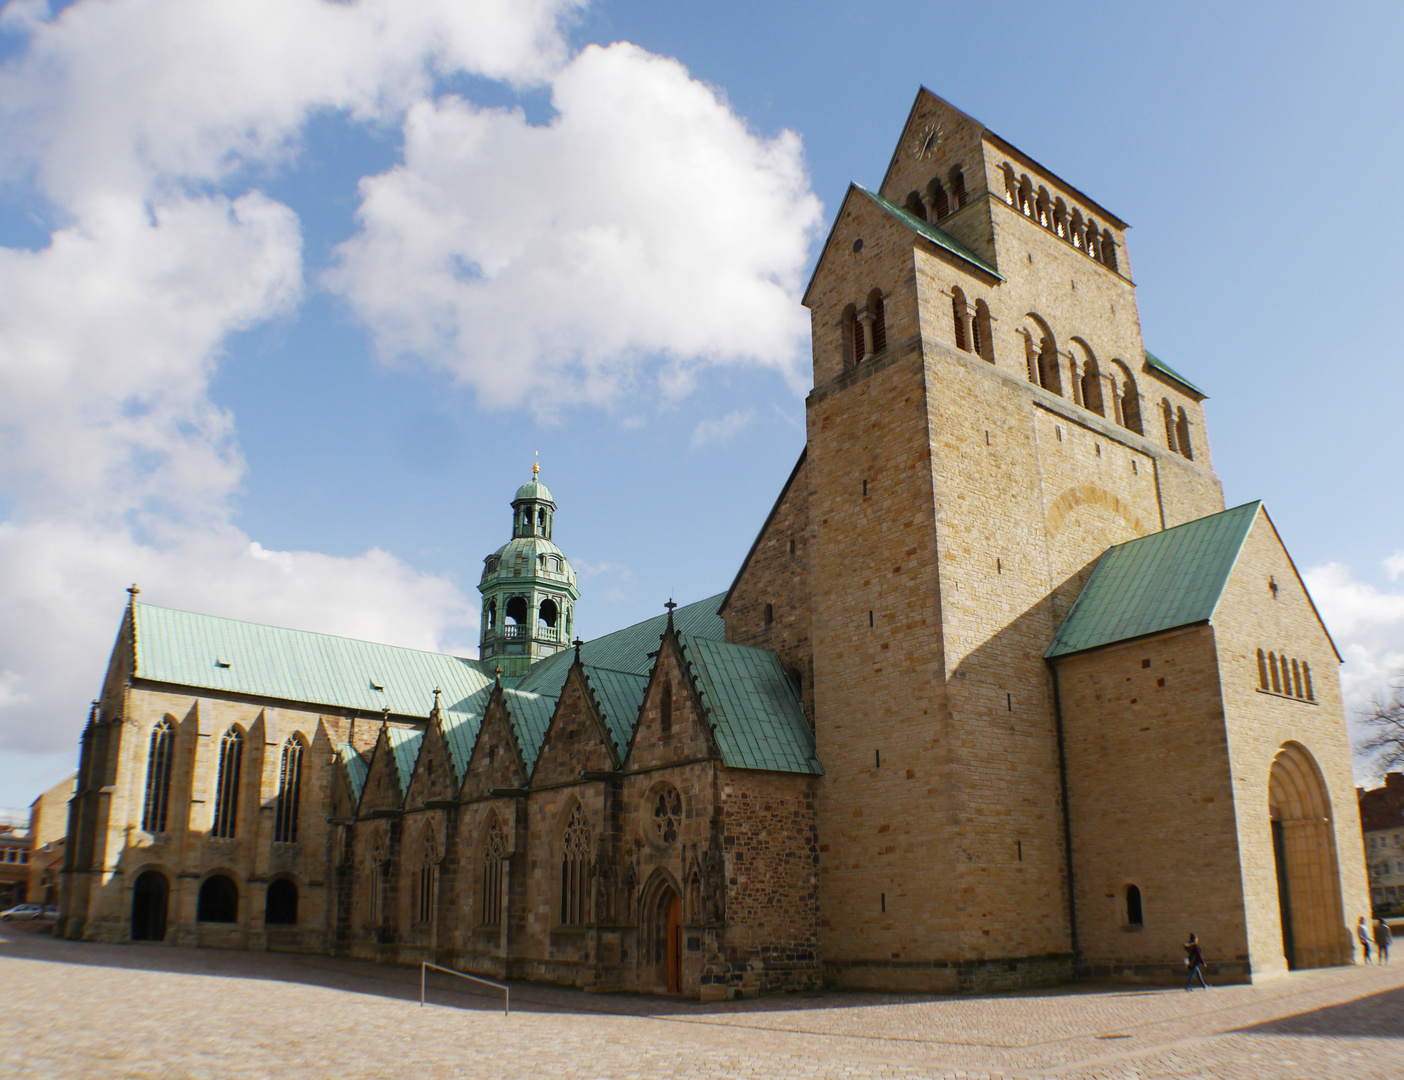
(1165, 369)
(939, 237)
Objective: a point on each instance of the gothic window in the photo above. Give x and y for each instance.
(575, 870)
(218, 900)
(980, 331)
(915, 207)
(158, 778)
(667, 814)
(1134, 914)
(425, 889)
(1262, 671)
(289, 793)
(958, 317)
(665, 707)
(231, 759)
(879, 321)
(494, 850)
(1182, 434)
(280, 908)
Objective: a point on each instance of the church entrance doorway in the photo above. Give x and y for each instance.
(1314, 933)
(150, 895)
(665, 939)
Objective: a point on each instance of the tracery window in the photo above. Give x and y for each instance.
(231, 759)
(494, 850)
(575, 870)
(426, 886)
(289, 793)
(667, 814)
(158, 778)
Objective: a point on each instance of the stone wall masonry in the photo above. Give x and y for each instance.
(1252, 616)
(1152, 804)
(777, 575)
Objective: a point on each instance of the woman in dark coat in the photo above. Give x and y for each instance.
(1194, 960)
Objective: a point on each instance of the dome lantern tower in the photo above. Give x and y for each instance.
(528, 587)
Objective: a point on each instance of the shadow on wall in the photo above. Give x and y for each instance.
(1377, 1016)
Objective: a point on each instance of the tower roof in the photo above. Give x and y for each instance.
(533, 490)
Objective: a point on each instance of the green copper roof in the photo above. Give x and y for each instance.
(534, 489)
(531, 716)
(755, 710)
(186, 649)
(1165, 369)
(939, 237)
(1158, 582)
(356, 769)
(620, 696)
(404, 744)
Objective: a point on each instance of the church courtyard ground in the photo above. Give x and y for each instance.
(73, 1009)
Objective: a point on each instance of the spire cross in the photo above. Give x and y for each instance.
(670, 605)
(133, 590)
(577, 643)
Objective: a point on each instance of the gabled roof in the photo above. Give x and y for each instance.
(404, 747)
(531, 716)
(754, 708)
(1156, 364)
(1159, 582)
(356, 769)
(619, 695)
(186, 649)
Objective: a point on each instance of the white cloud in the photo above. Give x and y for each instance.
(1394, 566)
(1367, 624)
(722, 428)
(545, 263)
(540, 261)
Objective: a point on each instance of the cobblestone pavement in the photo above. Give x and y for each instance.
(72, 1009)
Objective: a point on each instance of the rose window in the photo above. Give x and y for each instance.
(667, 814)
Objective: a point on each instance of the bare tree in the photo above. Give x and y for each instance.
(1384, 719)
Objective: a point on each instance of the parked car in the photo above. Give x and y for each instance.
(23, 911)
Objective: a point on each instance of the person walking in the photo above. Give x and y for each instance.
(1363, 933)
(1194, 960)
(1383, 939)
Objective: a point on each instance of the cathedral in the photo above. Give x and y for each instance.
(1001, 695)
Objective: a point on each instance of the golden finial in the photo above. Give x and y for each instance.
(535, 469)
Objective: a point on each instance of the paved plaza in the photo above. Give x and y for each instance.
(73, 1009)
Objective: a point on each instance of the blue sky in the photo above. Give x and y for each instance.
(290, 275)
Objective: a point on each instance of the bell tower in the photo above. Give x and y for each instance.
(528, 587)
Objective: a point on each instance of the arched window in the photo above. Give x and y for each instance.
(957, 187)
(1026, 206)
(939, 200)
(1286, 675)
(875, 308)
(218, 900)
(575, 870)
(1060, 217)
(1011, 185)
(494, 851)
(1134, 916)
(915, 207)
(1094, 240)
(158, 777)
(1092, 387)
(769, 614)
(231, 760)
(1306, 681)
(854, 341)
(665, 706)
(980, 331)
(492, 614)
(1182, 434)
(1108, 250)
(1044, 209)
(1130, 400)
(1273, 671)
(1262, 671)
(548, 613)
(1045, 359)
(289, 793)
(667, 814)
(517, 609)
(280, 909)
(1077, 229)
(426, 886)
(959, 318)
(541, 521)
(1169, 412)
(1297, 680)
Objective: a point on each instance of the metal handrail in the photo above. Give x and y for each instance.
(424, 967)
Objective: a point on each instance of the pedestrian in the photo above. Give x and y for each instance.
(1194, 960)
(1383, 939)
(1364, 935)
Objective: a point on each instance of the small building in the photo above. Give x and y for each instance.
(48, 827)
(1382, 823)
(14, 865)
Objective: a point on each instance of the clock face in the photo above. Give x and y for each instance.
(924, 145)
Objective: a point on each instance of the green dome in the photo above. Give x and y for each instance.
(534, 489)
(527, 558)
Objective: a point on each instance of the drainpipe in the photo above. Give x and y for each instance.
(1067, 819)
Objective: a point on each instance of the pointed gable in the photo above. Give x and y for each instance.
(618, 696)
(577, 739)
(388, 775)
(496, 761)
(433, 776)
(672, 726)
(353, 770)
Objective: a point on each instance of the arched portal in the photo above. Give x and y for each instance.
(281, 906)
(149, 897)
(663, 936)
(218, 900)
(1314, 933)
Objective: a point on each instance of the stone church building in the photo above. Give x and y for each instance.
(1001, 694)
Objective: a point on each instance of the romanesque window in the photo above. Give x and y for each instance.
(1182, 434)
(1169, 412)
(1284, 675)
(1092, 387)
(492, 615)
(547, 614)
(1262, 671)
(218, 900)
(915, 207)
(289, 793)
(1129, 411)
(940, 201)
(1272, 670)
(575, 870)
(1134, 915)
(957, 187)
(1108, 250)
(958, 318)
(980, 331)
(158, 777)
(667, 814)
(426, 884)
(875, 308)
(280, 908)
(494, 850)
(231, 759)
